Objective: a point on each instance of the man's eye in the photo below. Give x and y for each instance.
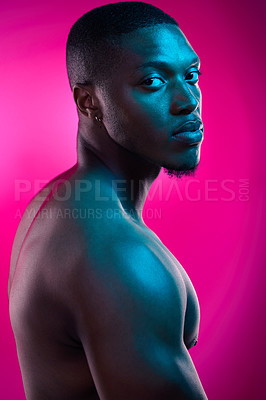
(153, 82)
(193, 76)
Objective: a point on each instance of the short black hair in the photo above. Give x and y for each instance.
(92, 39)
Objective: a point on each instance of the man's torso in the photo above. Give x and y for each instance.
(51, 355)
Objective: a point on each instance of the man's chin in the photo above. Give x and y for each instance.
(186, 165)
(176, 173)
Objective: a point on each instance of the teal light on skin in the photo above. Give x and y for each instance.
(150, 93)
(156, 90)
(128, 311)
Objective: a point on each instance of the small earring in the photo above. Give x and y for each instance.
(98, 119)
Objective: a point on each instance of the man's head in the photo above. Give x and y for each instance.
(138, 73)
(93, 39)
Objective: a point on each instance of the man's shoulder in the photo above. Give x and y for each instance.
(65, 198)
(72, 250)
(63, 259)
(58, 233)
(65, 238)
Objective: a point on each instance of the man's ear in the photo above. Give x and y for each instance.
(85, 101)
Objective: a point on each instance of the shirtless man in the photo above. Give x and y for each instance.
(99, 307)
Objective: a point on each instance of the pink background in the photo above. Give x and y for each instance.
(217, 235)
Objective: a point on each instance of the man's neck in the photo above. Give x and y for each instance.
(130, 175)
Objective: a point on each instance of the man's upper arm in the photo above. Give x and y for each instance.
(123, 322)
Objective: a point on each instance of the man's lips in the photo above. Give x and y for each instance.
(191, 132)
(189, 126)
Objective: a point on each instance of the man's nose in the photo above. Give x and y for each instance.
(184, 101)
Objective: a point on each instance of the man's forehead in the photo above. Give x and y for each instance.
(163, 43)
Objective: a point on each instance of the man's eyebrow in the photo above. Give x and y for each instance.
(158, 64)
(164, 64)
